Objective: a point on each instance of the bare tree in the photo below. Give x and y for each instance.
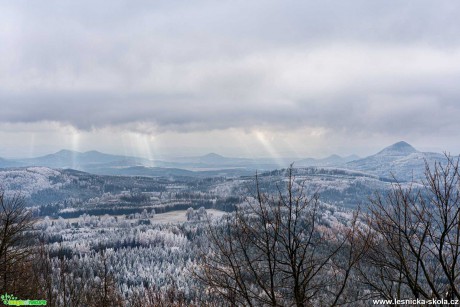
(43, 273)
(155, 297)
(416, 238)
(273, 251)
(15, 222)
(105, 292)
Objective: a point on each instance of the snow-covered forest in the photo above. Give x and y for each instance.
(309, 236)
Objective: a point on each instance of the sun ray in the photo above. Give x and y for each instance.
(32, 144)
(141, 145)
(75, 146)
(269, 148)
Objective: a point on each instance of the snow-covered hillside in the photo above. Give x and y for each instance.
(27, 181)
(400, 160)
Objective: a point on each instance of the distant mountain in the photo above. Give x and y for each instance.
(398, 149)
(400, 160)
(95, 162)
(216, 162)
(213, 159)
(331, 161)
(82, 160)
(170, 171)
(101, 163)
(144, 171)
(4, 163)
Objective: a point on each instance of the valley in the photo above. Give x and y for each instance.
(152, 226)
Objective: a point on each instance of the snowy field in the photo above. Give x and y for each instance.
(173, 217)
(180, 217)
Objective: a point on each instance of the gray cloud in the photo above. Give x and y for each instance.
(372, 67)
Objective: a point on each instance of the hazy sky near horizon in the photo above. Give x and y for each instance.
(240, 78)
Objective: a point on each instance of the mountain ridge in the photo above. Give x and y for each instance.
(399, 159)
(399, 148)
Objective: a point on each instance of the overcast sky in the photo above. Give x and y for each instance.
(239, 78)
